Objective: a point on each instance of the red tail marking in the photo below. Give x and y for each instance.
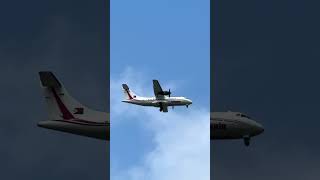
(63, 109)
(130, 97)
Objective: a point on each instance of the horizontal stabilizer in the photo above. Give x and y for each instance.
(48, 79)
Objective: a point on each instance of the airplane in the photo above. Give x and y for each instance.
(233, 125)
(68, 115)
(162, 98)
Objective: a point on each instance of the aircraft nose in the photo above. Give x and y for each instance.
(255, 128)
(259, 128)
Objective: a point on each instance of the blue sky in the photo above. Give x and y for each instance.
(168, 41)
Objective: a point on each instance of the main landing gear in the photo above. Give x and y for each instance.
(161, 107)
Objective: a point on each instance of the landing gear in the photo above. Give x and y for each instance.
(246, 140)
(161, 108)
(187, 106)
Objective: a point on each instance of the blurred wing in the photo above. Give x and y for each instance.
(157, 89)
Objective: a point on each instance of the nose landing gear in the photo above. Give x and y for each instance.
(246, 140)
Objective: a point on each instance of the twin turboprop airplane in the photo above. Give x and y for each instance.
(68, 115)
(162, 98)
(233, 125)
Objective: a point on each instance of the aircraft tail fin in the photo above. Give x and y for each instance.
(128, 94)
(60, 104)
(48, 80)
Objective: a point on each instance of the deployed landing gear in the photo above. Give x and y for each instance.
(246, 140)
(161, 108)
(187, 106)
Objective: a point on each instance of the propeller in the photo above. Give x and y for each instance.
(165, 93)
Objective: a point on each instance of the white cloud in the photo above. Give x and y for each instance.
(180, 137)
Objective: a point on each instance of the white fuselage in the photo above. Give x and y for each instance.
(85, 128)
(232, 125)
(152, 101)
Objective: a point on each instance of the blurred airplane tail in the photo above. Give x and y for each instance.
(60, 104)
(128, 94)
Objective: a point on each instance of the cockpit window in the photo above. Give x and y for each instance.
(243, 115)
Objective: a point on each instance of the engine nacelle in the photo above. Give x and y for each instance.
(166, 93)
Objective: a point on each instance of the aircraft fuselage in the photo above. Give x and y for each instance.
(84, 128)
(152, 101)
(232, 125)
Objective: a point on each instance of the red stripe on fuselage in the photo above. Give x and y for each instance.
(63, 109)
(88, 123)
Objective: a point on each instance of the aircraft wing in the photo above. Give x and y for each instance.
(158, 92)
